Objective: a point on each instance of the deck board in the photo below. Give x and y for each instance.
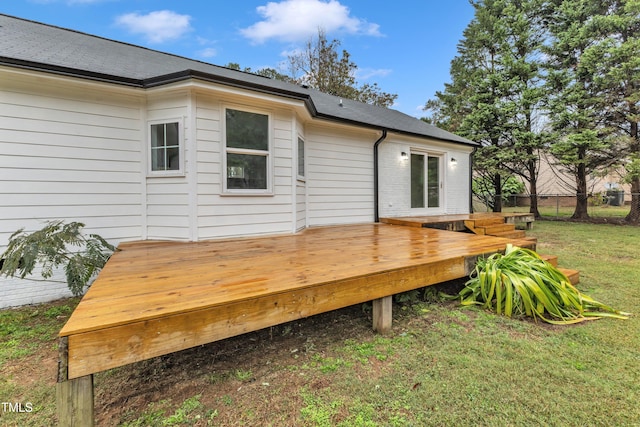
(156, 298)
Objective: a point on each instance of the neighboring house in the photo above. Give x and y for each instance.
(140, 144)
(555, 179)
(557, 185)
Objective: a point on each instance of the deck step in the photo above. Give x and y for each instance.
(491, 230)
(551, 259)
(527, 242)
(572, 275)
(514, 234)
(490, 220)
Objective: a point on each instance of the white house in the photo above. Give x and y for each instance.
(140, 144)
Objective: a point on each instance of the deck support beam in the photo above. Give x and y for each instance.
(382, 314)
(74, 397)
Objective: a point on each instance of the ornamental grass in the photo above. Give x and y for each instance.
(520, 283)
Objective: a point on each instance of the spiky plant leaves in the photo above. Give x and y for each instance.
(56, 244)
(521, 283)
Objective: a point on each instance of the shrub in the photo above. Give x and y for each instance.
(54, 245)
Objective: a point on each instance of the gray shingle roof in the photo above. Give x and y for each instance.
(33, 45)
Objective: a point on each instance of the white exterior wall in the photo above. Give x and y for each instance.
(68, 151)
(300, 181)
(76, 150)
(167, 197)
(301, 205)
(395, 177)
(339, 175)
(457, 184)
(220, 215)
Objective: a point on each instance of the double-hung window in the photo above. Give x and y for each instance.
(165, 148)
(247, 152)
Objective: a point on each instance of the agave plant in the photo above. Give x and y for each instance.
(521, 283)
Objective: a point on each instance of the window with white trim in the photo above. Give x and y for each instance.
(165, 148)
(247, 152)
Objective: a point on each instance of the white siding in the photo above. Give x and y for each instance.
(301, 205)
(241, 215)
(340, 175)
(71, 152)
(395, 177)
(79, 151)
(167, 198)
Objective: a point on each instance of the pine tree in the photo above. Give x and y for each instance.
(614, 61)
(573, 103)
(495, 93)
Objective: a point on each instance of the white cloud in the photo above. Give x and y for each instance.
(296, 20)
(208, 52)
(158, 26)
(368, 73)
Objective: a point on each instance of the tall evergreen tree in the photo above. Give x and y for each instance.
(615, 64)
(523, 66)
(496, 92)
(573, 103)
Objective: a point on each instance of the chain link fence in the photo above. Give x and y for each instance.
(609, 204)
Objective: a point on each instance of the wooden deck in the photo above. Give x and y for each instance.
(155, 298)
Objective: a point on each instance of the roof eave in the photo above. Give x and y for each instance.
(70, 72)
(227, 81)
(394, 130)
(166, 79)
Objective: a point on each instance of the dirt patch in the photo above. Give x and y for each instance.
(254, 370)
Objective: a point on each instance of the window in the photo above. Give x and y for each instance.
(301, 157)
(166, 153)
(425, 181)
(247, 150)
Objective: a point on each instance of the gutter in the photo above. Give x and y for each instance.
(471, 178)
(376, 208)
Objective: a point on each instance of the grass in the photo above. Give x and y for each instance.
(28, 361)
(443, 364)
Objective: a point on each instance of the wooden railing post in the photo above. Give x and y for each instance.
(74, 397)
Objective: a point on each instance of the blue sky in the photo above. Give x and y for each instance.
(405, 46)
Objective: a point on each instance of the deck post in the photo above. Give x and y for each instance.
(382, 314)
(74, 397)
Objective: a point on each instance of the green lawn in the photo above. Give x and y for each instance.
(442, 365)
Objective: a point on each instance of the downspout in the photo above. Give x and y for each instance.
(375, 175)
(471, 179)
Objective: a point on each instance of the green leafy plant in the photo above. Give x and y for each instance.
(521, 283)
(56, 244)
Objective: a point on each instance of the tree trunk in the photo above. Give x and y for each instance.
(582, 197)
(533, 189)
(634, 213)
(497, 188)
